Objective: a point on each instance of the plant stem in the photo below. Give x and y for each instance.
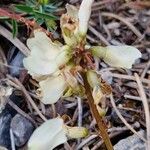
(98, 118)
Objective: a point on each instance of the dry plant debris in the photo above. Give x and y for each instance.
(112, 23)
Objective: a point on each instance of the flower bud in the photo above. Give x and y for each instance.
(75, 132)
(92, 78)
(98, 51)
(84, 15)
(117, 56)
(97, 94)
(101, 111)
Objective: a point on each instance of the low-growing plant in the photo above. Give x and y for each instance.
(65, 70)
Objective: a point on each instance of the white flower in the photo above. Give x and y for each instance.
(84, 15)
(74, 23)
(52, 133)
(45, 57)
(53, 87)
(44, 65)
(118, 56)
(49, 135)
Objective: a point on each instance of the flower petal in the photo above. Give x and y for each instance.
(92, 78)
(84, 15)
(43, 53)
(64, 56)
(49, 135)
(97, 94)
(121, 56)
(52, 89)
(72, 11)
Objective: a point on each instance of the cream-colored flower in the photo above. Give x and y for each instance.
(94, 82)
(53, 87)
(92, 78)
(52, 133)
(117, 56)
(84, 15)
(45, 57)
(74, 23)
(49, 135)
(44, 65)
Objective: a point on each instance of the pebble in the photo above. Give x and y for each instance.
(22, 129)
(5, 119)
(17, 64)
(131, 143)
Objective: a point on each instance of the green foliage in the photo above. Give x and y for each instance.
(41, 11)
(15, 28)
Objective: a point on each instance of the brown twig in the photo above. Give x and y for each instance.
(129, 77)
(98, 118)
(8, 35)
(14, 106)
(125, 21)
(28, 97)
(123, 120)
(99, 35)
(146, 107)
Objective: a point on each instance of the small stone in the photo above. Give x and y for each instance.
(3, 148)
(22, 129)
(17, 63)
(5, 119)
(6, 116)
(131, 143)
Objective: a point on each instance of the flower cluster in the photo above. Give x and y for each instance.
(57, 68)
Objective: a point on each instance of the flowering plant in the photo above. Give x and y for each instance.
(65, 70)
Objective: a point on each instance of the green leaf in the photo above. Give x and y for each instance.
(4, 17)
(40, 21)
(44, 15)
(24, 8)
(15, 28)
(51, 24)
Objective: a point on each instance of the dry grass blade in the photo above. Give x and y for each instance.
(8, 35)
(123, 76)
(146, 108)
(14, 106)
(132, 27)
(86, 141)
(99, 35)
(30, 99)
(123, 120)
(145, 69)
(12, 140)
(80, 111)
(132, 97)
(21, 87)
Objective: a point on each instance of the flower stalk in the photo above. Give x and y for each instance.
(95, 113)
